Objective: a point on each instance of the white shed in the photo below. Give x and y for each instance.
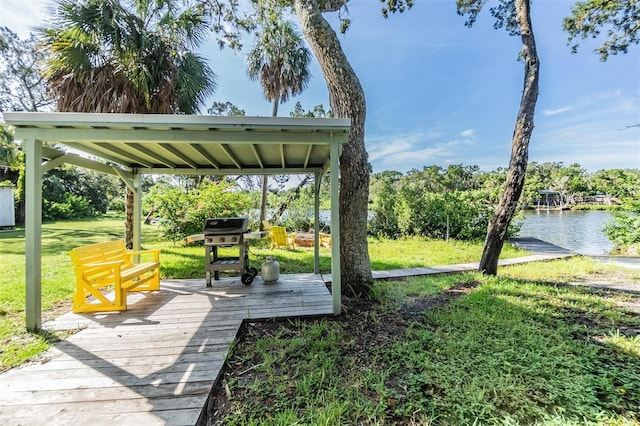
(7, 210)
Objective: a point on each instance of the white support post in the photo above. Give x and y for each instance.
(316, 225)
(137, 210)
(336, 283)
(33, 233)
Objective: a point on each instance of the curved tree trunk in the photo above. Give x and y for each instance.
(346, 97)
(497, 230)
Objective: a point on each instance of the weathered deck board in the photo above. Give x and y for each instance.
(154, 363)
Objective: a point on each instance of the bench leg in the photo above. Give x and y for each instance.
(100, 302)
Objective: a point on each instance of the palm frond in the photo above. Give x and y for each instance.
(106, 57)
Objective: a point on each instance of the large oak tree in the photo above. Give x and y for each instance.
(515, 15)
(346, 98)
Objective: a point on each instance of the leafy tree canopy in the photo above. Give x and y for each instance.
(619, 18)
(22, 87)
(225, 109)
(318, 111)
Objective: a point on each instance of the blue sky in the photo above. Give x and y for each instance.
(439, 93)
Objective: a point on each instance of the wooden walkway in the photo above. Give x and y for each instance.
(540, 250)
(154, 363)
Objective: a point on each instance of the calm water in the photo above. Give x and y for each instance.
(579, 231)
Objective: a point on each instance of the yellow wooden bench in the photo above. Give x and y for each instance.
(98, 266)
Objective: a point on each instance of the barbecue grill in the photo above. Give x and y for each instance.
(227, 232)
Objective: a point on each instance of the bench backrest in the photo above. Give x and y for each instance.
(101, 252)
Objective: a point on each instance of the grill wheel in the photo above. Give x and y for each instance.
(247, 277)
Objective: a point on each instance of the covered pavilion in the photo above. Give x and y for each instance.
(130, 145)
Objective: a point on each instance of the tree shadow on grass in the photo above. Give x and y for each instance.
(530, 352)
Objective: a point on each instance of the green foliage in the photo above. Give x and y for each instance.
(622, 184)
(618, 18)
(183, 213)
(571, 182)
(8, 147)
(624, 229)
(71, 207)
(504, 13)
(226, 109)
(96, 187)
(460, 215)
(318, 111)
(227, 22)
(384, 191)
(435, 203)
(133, 57)
(279, 60)
(418, 202)
(299, 213)
(117, 205)
(22, 87)
(395, 6)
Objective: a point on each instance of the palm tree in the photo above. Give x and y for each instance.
(134, 58)
(280, 60)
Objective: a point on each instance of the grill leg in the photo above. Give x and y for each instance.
(208, 274)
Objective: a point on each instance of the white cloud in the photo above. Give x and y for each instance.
(467, 133)
(556, 111)
(413, 150)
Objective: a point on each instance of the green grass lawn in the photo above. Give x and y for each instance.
(521, 348)
(178, 261)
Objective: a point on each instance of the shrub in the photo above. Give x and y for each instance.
(624, 229)
(73, 207)
(183, 213)
(462, 215)
(384, 221)
(117, 205)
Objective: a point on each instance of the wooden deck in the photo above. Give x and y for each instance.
(154, 363)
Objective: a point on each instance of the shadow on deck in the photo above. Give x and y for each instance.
(154, 363)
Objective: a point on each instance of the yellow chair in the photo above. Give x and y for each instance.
(325, 240)
(279, 237)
